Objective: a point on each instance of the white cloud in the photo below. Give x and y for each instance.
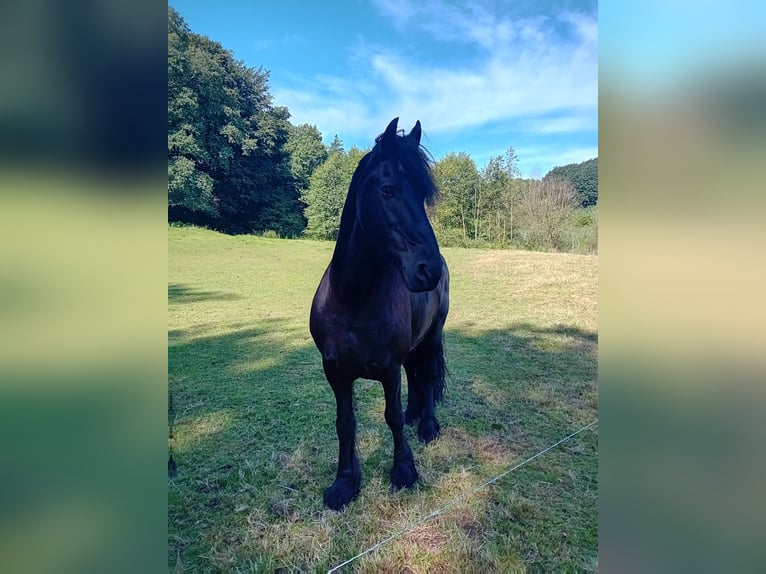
(521, 70)
(294, 39)
(261, 44)
(560, 125)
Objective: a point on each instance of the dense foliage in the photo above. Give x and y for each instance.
(583, 177)
(326, 193)
(494, 207)
(237, 164)
(228, 163)
(306, 151)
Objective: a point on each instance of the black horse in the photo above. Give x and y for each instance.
(382, 303)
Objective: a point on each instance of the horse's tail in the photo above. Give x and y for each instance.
(440, 372)
(426, 366)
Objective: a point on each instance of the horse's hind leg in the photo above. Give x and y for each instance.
(429, 369)
(414, 392)
(403, 473)
(349, 475)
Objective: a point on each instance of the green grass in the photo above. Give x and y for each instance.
(254, 419)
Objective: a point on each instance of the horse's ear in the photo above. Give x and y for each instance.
(391, 129)
(415, 133)
(387, 139)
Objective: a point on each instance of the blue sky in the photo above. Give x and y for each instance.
(481, 76)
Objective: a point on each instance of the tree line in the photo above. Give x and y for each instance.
(237, 164)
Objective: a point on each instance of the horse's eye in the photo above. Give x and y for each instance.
(387, 190)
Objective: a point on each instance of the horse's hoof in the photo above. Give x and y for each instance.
(342, 491)
(404, 475)
(428, 430)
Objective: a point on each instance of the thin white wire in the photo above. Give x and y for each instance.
(457, 500)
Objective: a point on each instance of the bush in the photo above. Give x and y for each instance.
(270, 234)
(185, 224)
(451, 237)
(581, 233)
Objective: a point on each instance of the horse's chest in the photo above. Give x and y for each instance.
(367, 347)
(374, 340)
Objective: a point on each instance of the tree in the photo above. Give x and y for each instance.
(307, 152)
(545, 206)
(327, 192)
(190, 187)
(227, 162)
(336, 146)
(458, 179)
(494, 180)
(499, 190)
(583, 177)
(511, 163)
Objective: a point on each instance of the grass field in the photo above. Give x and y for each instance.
(253, 419)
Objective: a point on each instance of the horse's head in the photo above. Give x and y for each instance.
(394, 183)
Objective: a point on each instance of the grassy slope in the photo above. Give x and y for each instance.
(255, 432)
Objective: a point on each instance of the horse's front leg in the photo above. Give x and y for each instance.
(403, 473)
(349, 475)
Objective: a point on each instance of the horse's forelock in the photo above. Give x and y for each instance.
(416, 160)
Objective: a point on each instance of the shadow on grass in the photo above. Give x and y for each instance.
(178, 293)
(507, 377)
(255, 444)
(510, 393)
(260, 376)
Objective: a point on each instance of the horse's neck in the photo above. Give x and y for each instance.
(357, 270)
